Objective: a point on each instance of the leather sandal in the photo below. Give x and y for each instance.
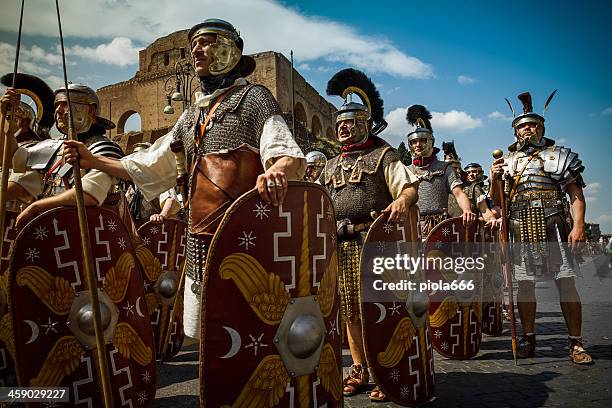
(526, 347)
(357, 381)
(378, 396)
(577, 353)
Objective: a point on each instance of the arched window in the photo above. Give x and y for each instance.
(317, 129)
(300, 114)
(129, 122)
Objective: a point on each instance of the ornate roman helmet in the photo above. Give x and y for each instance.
(226, 52)
(368, 113)
(419, 117)
(529, 115)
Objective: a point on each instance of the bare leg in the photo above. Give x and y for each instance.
(355, 341)
(570, 305)
(526, 302)
(358, 380)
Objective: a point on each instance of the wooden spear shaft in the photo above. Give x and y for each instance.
(506, 255)
(8, 116)
(88, 264)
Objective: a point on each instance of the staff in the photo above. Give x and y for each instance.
(84, 230)
(499, 190)
(8, 116)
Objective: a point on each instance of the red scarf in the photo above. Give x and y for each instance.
(353, 147)
(424, 161)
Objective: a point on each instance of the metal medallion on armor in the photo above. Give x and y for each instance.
(162, 258)
(395, 325)
(357, 182)
(270, 310)
(455, 312)
(7, 341)
(52, 314)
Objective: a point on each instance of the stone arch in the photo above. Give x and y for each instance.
(123, 120)
(317, 128)
(300, 114)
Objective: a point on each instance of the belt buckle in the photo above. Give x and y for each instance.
(536, 203)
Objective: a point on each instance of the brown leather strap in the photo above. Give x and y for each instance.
(200, 134)
(519, 174)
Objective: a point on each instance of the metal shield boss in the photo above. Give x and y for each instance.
(270, 311)
(52, 311)
(395, 318)
(456, 302)
(492, 285)
(7, 340)
(162, 258)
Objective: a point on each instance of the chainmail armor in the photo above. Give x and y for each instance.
(357, 182)
(435, 184)
(239, 119)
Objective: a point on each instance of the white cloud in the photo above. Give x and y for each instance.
(607, 111)
(277, 27)
(454, 121)
(561, 141)
(119, 51)
(466, 80)
(304, 67)
(591, 191)
(442, 122)
(604, 218)
(34, 60)
(499, 116)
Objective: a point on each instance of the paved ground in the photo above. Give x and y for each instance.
(491, 379)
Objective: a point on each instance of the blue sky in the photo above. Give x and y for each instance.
(460, 58)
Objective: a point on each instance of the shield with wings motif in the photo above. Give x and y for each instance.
(492, 285)
(394, 316)
(162, 260)
(270, 310)
(7, 342)
(52, 314)
(455, 258)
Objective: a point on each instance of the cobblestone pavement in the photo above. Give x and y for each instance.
(491, 379)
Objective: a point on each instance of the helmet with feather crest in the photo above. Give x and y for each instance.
(368, 113)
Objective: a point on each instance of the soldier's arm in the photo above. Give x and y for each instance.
(578, 210)
(464, 203)
(67, 198)
(75, 150)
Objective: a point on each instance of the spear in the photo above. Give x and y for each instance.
(91, 279)
(8, 116)
(505, 254)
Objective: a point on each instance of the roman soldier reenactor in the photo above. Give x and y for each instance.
(539, 177)
(366, 178)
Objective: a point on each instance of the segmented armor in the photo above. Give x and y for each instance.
(46, 157)
(538, 208)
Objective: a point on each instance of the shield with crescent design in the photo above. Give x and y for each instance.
(493, 285)
(166, 242)
(394, 312)
(270, 309)
(52, 313)
(455, 262)
(7, 342)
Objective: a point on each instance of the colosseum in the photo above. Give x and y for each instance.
(149, 92)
